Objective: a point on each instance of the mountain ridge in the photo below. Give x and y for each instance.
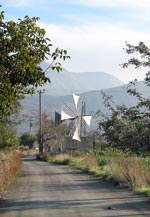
(93, 99)
(68, 82)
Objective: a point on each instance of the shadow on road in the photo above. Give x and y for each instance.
(64, 204)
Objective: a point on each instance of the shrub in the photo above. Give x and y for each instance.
(10, 165)
(28, 139)
(8, 138)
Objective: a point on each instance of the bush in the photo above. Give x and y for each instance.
(27, 139)
(8, 138)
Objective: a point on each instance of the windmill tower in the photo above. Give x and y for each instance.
(83, 123)
(78, 119)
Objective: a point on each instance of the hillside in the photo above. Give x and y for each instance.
(94, 101)
(65, 82)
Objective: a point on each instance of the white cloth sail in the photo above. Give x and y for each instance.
(65, 116)
(76, 134)
(76, 99)
(87, 119)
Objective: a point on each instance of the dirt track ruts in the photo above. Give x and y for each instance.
(50, 190)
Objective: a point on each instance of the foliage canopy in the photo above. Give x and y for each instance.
(8, 139)
(128, 128)
(23, 46)
(28, 139)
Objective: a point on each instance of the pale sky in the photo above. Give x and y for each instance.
(93, 31)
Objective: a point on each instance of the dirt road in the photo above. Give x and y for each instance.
(48, 190)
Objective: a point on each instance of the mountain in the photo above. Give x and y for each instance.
(64, 83)
(93, 99)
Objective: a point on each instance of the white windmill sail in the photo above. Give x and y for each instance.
(76, 117)
(65, 116)
(76, 99)
(76, 134)
(87, 119)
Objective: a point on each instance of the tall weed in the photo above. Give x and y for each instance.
(10, 165)
(130, 171)
(91, 161)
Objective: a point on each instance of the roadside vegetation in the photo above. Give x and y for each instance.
(111, 165)
(10, 165)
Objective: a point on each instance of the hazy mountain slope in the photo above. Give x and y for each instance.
(94, 101)
(64, 83)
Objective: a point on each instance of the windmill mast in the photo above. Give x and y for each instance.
(70, 143)
(83, 123)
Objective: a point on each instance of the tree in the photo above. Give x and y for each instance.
(28, 139)
(23, 47)
(8, 139)
(128, 128)
(143, 59)
(52, 136)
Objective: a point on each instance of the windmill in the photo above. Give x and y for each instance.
(78, 117)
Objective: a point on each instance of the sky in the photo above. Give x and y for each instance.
(93, 32)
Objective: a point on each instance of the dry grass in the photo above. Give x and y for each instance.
(130, 170)
(10, 165)
(91, 161)
(62, 157)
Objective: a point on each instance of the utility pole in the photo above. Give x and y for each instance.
(30, 124)
(40, 122)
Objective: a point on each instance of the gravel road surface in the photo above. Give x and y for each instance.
(50, 190)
